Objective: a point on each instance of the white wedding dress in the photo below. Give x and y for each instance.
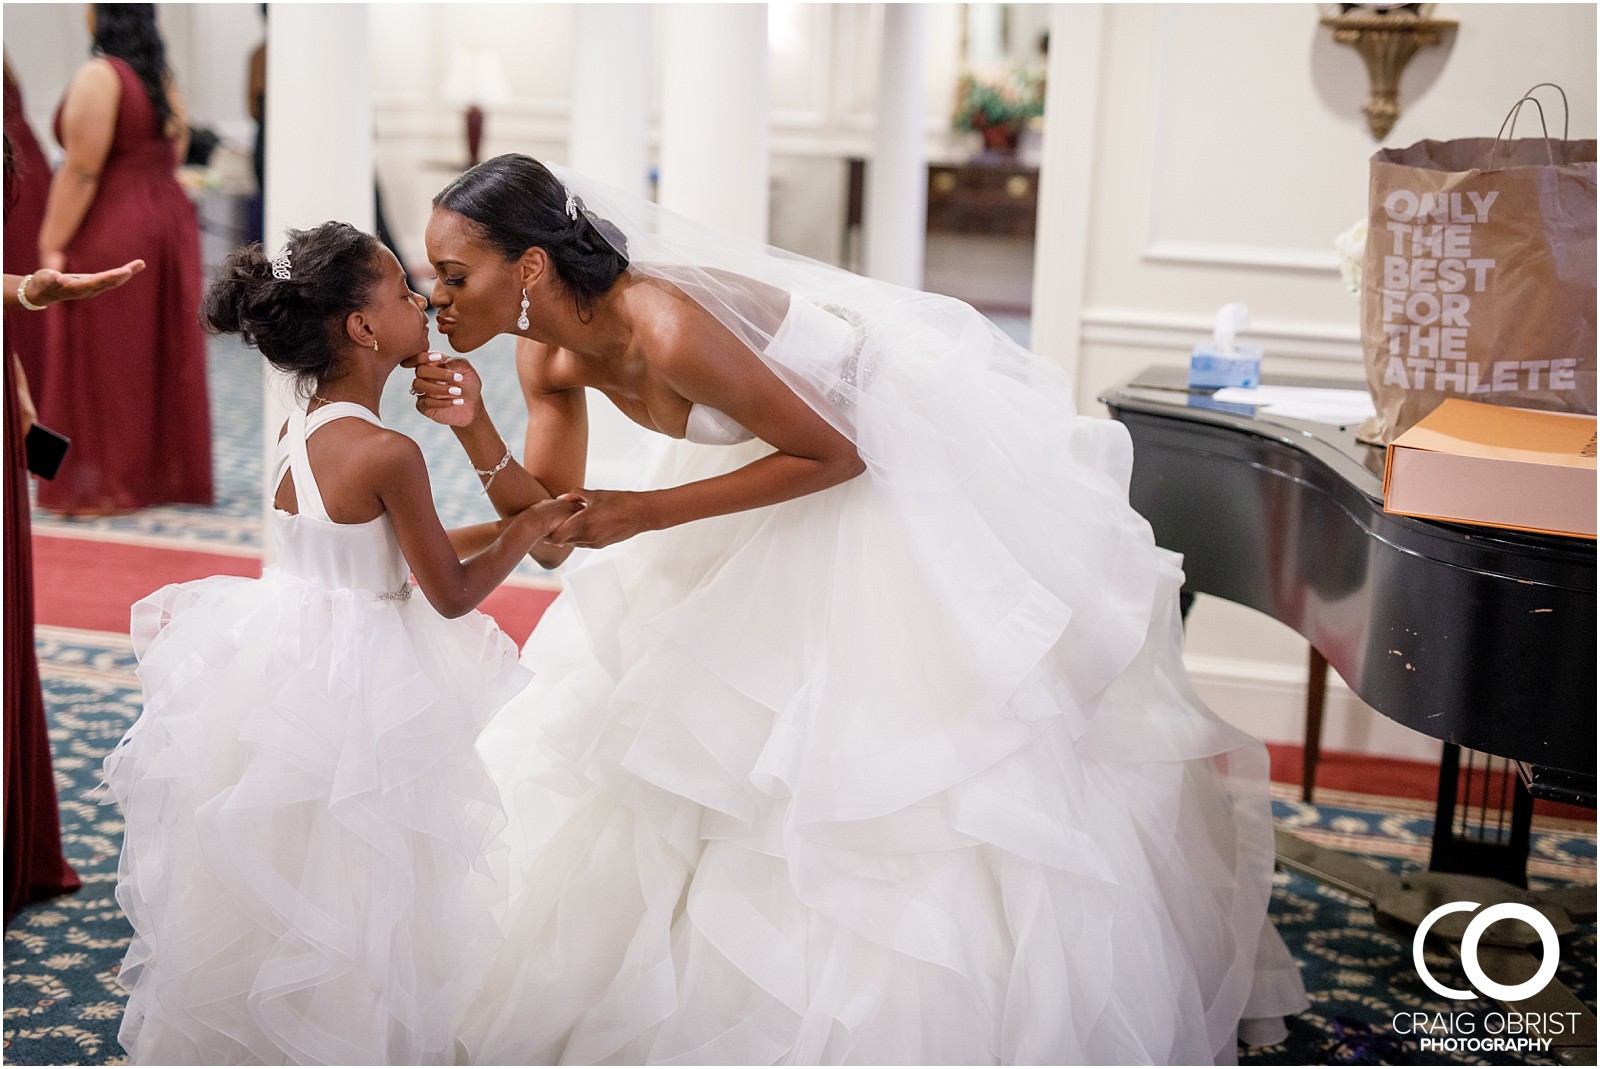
(906, 771)
(310, 846)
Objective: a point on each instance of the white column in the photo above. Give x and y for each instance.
(608, 140)
(1061, 244)
(897, 179)
(984, 46)
(715, 128)
(319, 143)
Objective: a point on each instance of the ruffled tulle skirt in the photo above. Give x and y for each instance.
(311, 861)
(907, 771)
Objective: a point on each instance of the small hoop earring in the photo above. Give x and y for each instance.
(522, 320)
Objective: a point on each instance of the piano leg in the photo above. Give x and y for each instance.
(1316, 696)
(1475, 830)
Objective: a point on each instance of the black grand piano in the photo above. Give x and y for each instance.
(1479, 637)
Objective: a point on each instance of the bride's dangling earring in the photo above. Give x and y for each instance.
(522, 320)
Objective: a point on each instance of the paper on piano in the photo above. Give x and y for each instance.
(1314, 404)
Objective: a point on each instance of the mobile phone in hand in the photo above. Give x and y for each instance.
(45, 450)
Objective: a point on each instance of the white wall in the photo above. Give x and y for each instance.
(208, 49)
(46, 44)
(214, 68)
(1232, 149)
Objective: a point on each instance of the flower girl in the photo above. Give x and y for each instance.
(307, 863)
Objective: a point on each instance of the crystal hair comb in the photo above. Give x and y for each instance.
(280, 266)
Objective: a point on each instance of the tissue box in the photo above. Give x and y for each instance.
(1211, 368)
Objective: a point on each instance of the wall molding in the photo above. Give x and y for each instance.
(793, 134)
(1267, 700)
(1159, 249)
(1179, 331)
(1223, 254)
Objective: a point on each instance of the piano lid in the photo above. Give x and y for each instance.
(1473, 635)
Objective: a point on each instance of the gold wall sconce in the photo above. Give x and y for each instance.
(1386, 36)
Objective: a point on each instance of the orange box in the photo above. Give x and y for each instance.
(1468, 462)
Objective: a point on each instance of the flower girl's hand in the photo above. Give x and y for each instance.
(539, 519)
(447, 389)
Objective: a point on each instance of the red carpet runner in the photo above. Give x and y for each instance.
(91, 583)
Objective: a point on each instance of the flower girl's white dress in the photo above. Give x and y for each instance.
(907, 771)
(310, 834)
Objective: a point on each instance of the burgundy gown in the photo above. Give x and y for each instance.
(34, 865)
(125, 378)
(29, 188)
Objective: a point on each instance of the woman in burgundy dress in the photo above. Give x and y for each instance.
(30, 185)
(125, 375)
(35, 866)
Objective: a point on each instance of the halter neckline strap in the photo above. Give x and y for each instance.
(292, 451)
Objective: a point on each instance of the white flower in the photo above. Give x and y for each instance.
(1352, 247)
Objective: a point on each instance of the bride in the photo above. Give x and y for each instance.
(866, 738)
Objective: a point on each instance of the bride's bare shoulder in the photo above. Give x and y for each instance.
(542, 368)
(667, 318)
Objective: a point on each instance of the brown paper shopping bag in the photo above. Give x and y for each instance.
(1479, 278)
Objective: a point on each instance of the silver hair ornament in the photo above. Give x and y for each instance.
(280, 266)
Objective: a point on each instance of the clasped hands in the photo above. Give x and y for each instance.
(449, 391)
(607, 516)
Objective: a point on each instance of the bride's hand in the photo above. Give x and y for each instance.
(447, 389)
(607, 516)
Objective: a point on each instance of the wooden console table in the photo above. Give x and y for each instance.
(998, 198)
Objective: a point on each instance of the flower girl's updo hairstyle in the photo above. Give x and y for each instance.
(517, 204)
(297, 322)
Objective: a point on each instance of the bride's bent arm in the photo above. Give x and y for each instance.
(554, 452)
(714, 369)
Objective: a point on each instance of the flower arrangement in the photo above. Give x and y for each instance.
(1352, 247)
(998, 104)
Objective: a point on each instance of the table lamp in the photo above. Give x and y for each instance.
(476, 78)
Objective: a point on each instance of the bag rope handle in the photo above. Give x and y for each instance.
(1516, 112)
(1566, 109)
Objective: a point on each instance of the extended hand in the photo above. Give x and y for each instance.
(50, 286)
(607, 516)
(447, 389)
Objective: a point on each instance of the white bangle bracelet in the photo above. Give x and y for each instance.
(22, 296)
(492, 472)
